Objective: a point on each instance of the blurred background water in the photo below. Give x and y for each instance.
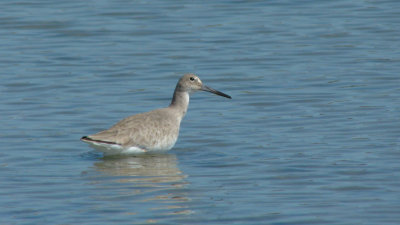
(311, 135)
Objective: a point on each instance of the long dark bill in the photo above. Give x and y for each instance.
(205, 88)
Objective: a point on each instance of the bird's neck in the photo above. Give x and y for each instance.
(180, 101)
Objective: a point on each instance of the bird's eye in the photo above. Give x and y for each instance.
(191, 78)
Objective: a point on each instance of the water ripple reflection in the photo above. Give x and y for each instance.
(153, 182)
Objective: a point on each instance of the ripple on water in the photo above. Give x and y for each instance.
(311, 132)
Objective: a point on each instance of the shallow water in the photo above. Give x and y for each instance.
(311, 135)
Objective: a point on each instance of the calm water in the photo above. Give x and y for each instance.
(311, 135)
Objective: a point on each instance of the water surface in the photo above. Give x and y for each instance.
(311, 135)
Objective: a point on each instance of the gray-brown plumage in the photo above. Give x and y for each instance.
(156, 130)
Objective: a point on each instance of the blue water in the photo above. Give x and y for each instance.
(311, 135)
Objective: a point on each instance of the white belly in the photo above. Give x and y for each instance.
(115, 149)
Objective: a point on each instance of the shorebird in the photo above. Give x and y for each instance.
(152, 131)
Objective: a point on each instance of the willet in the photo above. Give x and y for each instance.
(156, 130)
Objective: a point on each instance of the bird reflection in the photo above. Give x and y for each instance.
(149, 178)
(144, 170)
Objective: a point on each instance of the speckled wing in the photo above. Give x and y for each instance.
(152, 130)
